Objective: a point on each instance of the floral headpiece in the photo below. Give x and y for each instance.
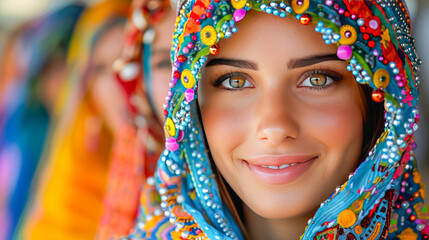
(383, 197)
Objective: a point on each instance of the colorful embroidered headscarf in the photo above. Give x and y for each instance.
(68, 204)
(383, 198)
(24, 115)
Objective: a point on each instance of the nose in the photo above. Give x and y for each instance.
(277, 117)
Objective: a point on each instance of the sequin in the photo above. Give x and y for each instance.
(300, 6)
(188, 80)
(381, 78)
(346, 218)
(358, 229)
(208, 35)
(348, 35)
(169, 126)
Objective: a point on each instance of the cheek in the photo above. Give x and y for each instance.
(336, 124)
(225, 127)
(107, 96)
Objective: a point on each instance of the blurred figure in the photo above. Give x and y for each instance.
(33, 68)
(144, 73)
(69, 203)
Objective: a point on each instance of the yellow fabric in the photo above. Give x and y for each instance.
(68, 202)
(71, 203)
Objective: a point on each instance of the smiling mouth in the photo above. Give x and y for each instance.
(276, 171)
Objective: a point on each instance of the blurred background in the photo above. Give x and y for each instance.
(15, 12)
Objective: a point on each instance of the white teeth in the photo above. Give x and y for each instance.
(276, 167)
(284, 166)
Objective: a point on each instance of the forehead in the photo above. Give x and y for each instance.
(260, 33)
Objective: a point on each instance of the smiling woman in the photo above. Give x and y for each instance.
(272, 120)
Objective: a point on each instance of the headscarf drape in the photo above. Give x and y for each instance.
(383, 197)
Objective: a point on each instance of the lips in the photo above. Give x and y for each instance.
(275, 169)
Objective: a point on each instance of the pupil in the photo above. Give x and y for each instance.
(318, 80)
(236, 83)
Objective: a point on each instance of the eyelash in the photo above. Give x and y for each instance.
(225, 77)
(335, 76)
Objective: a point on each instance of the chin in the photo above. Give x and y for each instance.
(281, 208)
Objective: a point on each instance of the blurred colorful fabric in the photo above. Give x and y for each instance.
(31, 68)
(69, 203)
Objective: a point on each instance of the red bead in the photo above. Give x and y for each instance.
(366, 36)
(177, 74)
(378, 95)
(385, 61)
(181, 58)
(305, 19)
(194, 38)
(165, 112)
(208, 14)
(214, 49)
(347, 14)
(371, 44)
(363, 29)
(413, 217)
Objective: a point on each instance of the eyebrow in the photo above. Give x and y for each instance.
(293, 63)
(233, 62)
(311, 60)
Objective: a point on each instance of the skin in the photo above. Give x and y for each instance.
(279, 112)
(161, 66)
(53, 78)
(106, 92)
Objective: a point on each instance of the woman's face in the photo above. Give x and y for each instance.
(105, 90)
(282, 116)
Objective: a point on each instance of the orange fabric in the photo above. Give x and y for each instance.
(70, 204)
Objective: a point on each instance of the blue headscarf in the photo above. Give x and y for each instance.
(383, 197)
